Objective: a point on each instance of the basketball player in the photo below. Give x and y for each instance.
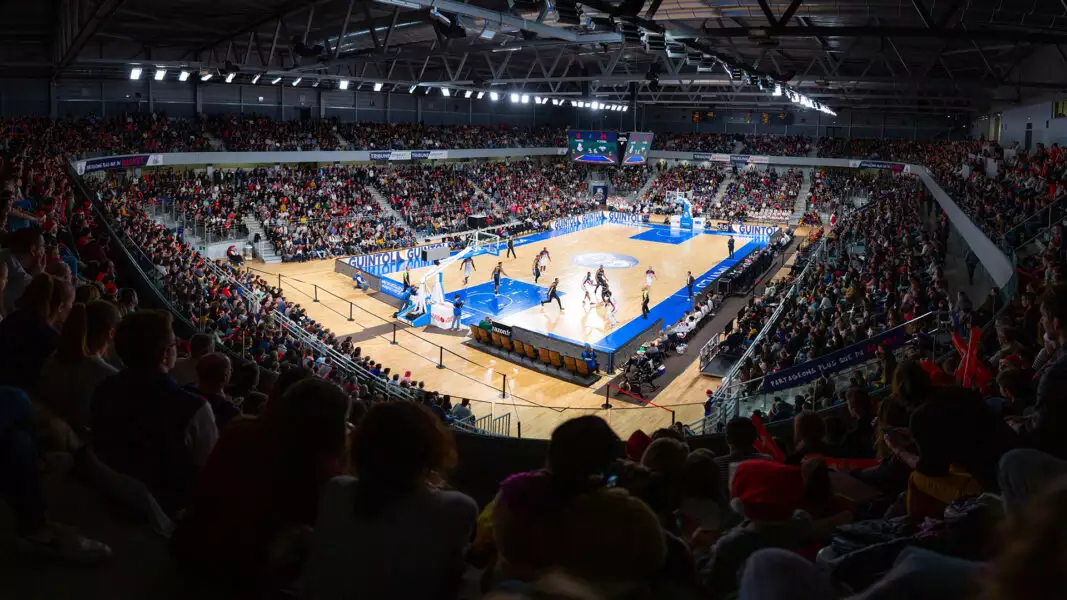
(537, 268)
(601, 279)
(587, 285)
(605, 295)
(650, 274)
(544, 258)
(644, 303)
(553, 295)
(609, 302)
(498, 271)
(468, 264)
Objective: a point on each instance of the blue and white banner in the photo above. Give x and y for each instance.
(114, 163)
(835, 361)
(393, 256)
(393, 288)
(702, 156)
(876, 164)
(380, 154)
(420, 154)
(628, 218)
(743, 229)
(588, 220)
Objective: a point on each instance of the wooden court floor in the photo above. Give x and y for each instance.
(537, 401)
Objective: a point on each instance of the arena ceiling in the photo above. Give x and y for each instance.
(936, 56)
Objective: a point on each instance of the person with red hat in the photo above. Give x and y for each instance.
(768, 495)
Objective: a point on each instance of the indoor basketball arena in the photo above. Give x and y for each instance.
(607, 299)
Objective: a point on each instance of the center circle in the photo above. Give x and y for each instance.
(610, 260)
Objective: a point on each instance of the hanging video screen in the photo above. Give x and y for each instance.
(594, 146)
(638, 143)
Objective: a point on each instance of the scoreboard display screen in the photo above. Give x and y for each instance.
(594, 146)
(637, 146)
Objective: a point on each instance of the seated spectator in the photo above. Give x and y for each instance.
(184, 371)
(212, 376)
(808, 433)
(24, 255)
(77, 367)
(144, 425)
(20, 472)
(29, 335)
(741, 436)
(859, 438)
(462, 411)
(259, 491)
(390, 532)
(953, 441)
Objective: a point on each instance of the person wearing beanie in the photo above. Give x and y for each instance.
(768, 496)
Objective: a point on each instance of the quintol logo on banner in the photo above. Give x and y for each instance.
(610, 260)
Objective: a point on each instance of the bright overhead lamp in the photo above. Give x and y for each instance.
(411, 90)
(182, 76)
(625, 108)
(297, 81)
(229, 78)
(467, 94)
(777, 89)
(206, 76)
(160, 74)
(255, 78)
(377, 86)
(574, 103)
(317, 82)
(525, 98)
(276, 80)
(538, 99)
(480, 95)
(445, 92)
(343, 84)
(514, 98)
(494, 96)
(427, 90)
(135, 73)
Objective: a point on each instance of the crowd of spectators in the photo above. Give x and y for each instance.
(280, 480)
(777, 145)
(435, 198)
(753, 194)
(702, 182)
(629, 179)
(396, 136)
(245, 133)
(696, 142)
(883, 266)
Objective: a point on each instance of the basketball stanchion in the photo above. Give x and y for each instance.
(393, 343)
(606, 404)
(316, 298)
(440, 357)
(350, 319)
(504, 386)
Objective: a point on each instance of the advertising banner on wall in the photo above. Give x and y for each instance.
(380, 154)
(629, 218)
(115, 163)
(835, 361)
(876, 164)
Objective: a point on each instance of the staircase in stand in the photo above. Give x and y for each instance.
(216, 144)
(801, 205)
(264, 249)
(387, 210)
(639, 194)
(344, 143)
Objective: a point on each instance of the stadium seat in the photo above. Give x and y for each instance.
(496, 340)
(583, 369)
(570, 364)
(546, 360)
(531, 353)
(505, 343)
(555, 358)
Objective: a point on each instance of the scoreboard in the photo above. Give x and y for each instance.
(637, 146)
(594, 146)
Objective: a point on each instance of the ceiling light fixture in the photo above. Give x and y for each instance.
(467, 94)
(255, 78)
(343, 84)
(229, 78)
(206, 76)
(182, 76)
(160, 74)
(135, 73)
(480, 95)
(378, 86)
(445, 92)
(494, 96)
(297, 81)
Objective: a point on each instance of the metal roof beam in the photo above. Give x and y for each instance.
(498, 18)
(87, 30)
(1009, 35)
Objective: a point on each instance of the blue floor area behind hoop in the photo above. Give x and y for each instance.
(665, 235)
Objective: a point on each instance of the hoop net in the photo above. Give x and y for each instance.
(489, 241)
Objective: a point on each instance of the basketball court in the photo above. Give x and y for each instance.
(540, 402)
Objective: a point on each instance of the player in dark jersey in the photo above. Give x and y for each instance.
(537, 268)
(601, 279)
(498, 271)
(553, 295)
(605, 294)
(466, 267)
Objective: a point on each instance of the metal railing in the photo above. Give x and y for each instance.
(1032, 227)
(173, 215)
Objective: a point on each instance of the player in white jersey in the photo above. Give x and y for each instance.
(543, 258)
(650, 274)
(609, 302)
(587, 287)
(466, 267)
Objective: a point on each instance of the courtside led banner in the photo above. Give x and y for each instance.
(114, 163)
